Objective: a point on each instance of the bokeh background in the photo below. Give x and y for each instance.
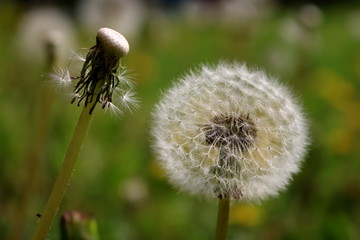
(312, 46)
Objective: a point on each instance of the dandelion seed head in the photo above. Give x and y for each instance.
(228, 131)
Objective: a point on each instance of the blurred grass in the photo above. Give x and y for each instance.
(322, 66)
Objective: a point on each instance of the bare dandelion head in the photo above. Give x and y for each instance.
(229, 132)
(101, 75)
(113, 42)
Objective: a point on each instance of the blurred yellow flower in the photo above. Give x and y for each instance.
(334, 88)
(356, 66)
(342, 140)
(342, 95)
(156, 170)
(245, 214)
(352, 115)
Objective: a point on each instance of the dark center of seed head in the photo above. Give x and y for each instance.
(231, 131)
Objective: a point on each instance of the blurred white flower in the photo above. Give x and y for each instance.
(41, 26)
(227, 131)
(237, 11)
(122, 15)
(353, 24)
(280, 59)
(233, 13)
(295, 32)
(292, 31)
(135, 191)
(310, 15)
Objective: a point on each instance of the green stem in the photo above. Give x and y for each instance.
(58, 190)
(222, 218)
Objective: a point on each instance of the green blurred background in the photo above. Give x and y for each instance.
(314, 48)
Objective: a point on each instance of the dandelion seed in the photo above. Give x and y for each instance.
(241, 134)
(60, 77)
(77, 57)
(129, 101)
(115, 111)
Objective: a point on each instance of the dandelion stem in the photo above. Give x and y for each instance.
(222, 218)
(62, 180)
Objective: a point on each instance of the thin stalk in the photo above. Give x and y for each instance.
(222, 218)
(59, 188)
(33, 165)
(36, 149)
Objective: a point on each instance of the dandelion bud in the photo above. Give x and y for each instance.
(75, 225)
(229, 132)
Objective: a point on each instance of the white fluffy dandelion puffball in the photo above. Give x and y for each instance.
(229, 132)
(113, 41)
